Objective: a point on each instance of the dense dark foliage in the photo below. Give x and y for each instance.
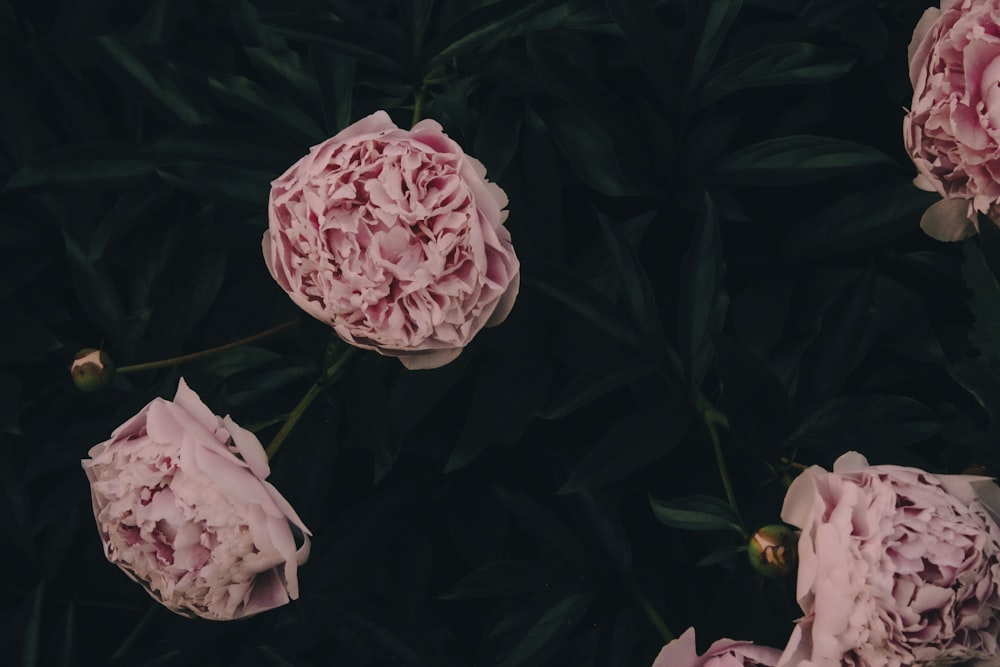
(718, 233)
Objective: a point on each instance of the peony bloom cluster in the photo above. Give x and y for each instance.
(182, 507)
(952, 131)
(395, 238)
(682, 652)
(896, 567)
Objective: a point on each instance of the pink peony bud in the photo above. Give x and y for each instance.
(394, 238)
(896, 567)
(182, 508)
(92, 370)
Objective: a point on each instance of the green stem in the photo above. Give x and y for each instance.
(712, 418)
(136, 631)
(174, 361)
(315, 390)
(418, 104)
(651, 613)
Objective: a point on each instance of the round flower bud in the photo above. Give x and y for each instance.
(92, 370)
(772, 550)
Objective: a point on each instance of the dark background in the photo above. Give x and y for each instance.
(713, 210)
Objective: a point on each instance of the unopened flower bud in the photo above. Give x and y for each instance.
(92, 370)
(773, 550)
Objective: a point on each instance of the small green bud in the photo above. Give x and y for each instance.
(773, 551)
(92, 370)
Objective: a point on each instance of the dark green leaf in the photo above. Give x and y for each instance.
(859, 220)
(351, 40)
(796, 159)
(870, 421)
(547, 530)
(158, 80)
(719, 17)
(265, 106)
(597, 380)
(588, 149)
(562, 286)
(94, 288)
(25, 340)
(489, 24)
(93, 165)
(753, 398)
(10, 397)
(554, 624)
(834, 352)
(635, 284)
(631, 444)
(776, 65)
(703, 300)
(498, 137)
(697, 513)
(985, 301)
(219, 182)
(502, 578)
(33, 628)
(650, 42)
(385, 631)
(509, 389)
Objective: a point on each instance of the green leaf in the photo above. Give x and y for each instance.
(985, 301)
(10, 397)
(25, 340)
(703, 300)
(94, 288)
(857, 221)
(697, 513)
(553, 625)
(159, 81)
(224, 183)
(775, 65)
(753, 398)
(719, 17)
(273, 110)
(502, 578)
(720, 555)
(33, 628)
(487, 25)
(596, 381)
(509, 389)
(104, 165)
(385, 631)
(629, 445)
(589, 151)
(351, 40)
(562, 286)
(635, 284)
(982, 380)
(835, 351)
(547, 530)
(498, 137)
(796, 159)
(649, 41)
(870, 422)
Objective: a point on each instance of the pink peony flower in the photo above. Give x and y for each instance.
(952, 131)
(724, 653)
(896, 567)
(182, 507)
(396, 239)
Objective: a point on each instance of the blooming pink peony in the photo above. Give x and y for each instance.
(395, 238)
(952, 131)
(896, 567)
(182, 507)
(724, 653)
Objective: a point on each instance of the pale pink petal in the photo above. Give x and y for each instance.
(947, 220)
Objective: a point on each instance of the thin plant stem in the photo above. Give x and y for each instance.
(720, 460)
(651, 613)
(136, 631)
(418, 104)
(174, 361)
(315, 390)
